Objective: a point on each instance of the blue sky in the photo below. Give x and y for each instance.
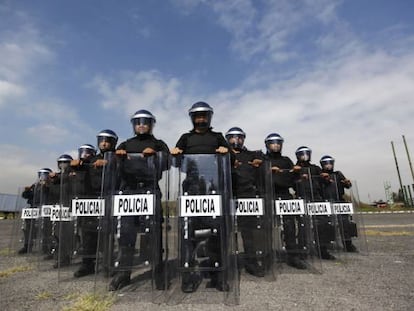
(336, 76)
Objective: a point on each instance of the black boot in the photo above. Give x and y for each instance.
(296, 262)
(23, 250)
(120, 279)
(255, 268)
(326, 255)
(350, 248)
(190, 282)
(87, 267)
(64, 262)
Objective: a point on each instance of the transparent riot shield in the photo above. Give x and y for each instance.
(352, 221)
(102, 184)
(17, 239)
(66, 241)
(44, 199)
(24, 239)
(253, 223)
(138, 255)
(202, 243)
(87, 207)
(299, 229)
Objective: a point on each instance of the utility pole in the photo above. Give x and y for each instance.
(408, 155)
(396, 164)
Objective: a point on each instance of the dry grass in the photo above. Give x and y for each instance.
(11, 271)
(92, 302)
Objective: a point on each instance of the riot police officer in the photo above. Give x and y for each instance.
(62, 189)
(36, 195)
(309, 186)
(334, 190)
(79, 178)
(92, 165)
(201, 140)
(246, 183)
(283, 180)
(143, 142)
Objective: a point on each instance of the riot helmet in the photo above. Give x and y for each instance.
(142, 122)
(327, 163)
(86, 151)
(201, 114)
(107, 140)
(274, 143)
(303, 154)
(43, 174)
(235, 136)
(63, 162)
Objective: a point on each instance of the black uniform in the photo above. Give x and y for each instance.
(294, 232)
(247, 183)
(333, 190)
(63, 190)
(139, 180)
(310, 189)
(29, 229)
(201, 143)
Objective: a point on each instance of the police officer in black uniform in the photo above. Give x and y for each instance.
(334, 190)
(91, 165)
(87, 225)
(246, 183)
(283, 180)
(36, 195)
(62, 191)
(143, 142)
(201, 140)
(309, 184)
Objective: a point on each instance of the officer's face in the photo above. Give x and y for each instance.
(236, 140)
(141, 128)
(328, 166)
(104, 145)
(275, 147)
(304, 157)
(63, 165)
(200, 118)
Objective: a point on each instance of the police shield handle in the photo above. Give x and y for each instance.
(222, 150)
(100, 162)
(255, 162)
(148, 152)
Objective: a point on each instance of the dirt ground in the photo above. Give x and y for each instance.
(379, 280)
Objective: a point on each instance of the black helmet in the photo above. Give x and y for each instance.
(303, 154)
(109, 136)
(201, 108)
(239, 134)
(63, 161)
(273, 138)
(43, 173)
(143, 117)
(64, 158)
(86, 151)
(325, 160)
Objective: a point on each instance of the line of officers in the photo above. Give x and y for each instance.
(288, 180)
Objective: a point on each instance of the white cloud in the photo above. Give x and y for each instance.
(21, 51)
(9, 91)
